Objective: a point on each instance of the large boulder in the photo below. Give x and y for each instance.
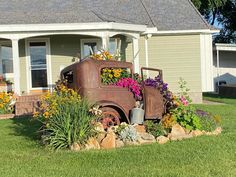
(92, 143)
(109, 141)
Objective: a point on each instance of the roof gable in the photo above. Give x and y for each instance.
(163, 14)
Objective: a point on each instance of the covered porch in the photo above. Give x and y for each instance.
(32, 59)
(225, 64)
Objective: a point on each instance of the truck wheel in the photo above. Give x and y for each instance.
(110, 117)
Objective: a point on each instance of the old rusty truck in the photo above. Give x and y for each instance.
(115, 102)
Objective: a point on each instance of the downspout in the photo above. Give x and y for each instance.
(218, 70)
(146, 52)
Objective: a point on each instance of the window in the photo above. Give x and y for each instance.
(114, 46)
(90, 46)
(7, 61)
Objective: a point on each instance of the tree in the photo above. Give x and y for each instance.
(210, 9)
(228, 19)
(225, 13)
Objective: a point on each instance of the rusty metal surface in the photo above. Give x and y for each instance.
(151, 69)
(153, 103)
(87, 81)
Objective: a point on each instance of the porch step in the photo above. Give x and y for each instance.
(26, 105)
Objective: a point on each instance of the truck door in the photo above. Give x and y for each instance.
(154, 104)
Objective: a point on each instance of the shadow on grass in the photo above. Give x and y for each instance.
(27, 127)
(214, 95)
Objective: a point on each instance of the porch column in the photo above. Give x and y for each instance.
(16, 65)
(218, 66)
(105, 41)
(1, 71)
(146, 52)
(136, 55)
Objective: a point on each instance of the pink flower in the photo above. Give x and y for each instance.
(131, 84)
(184, 100)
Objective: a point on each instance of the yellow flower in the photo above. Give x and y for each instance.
(111, 76)
(104, 70)
(46, 114)
(117, 74)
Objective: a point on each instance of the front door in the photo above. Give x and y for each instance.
(38, 72)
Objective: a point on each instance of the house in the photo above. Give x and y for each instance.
(39, 38)
(224, 60)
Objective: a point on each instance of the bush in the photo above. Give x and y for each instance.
(155, 129)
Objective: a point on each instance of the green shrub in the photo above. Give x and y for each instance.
(186, 117)
(155, 129)
(71, 123)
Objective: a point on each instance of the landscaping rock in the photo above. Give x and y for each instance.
(131, 143)
(109, 141)
(178, 133)
(177, 130)
(140, 128)
(75, 147)
(142, 141)
(217, 131)
(92, 143)
(146, 136)
(162, 139)
(101, 136)
(196, 133)
(119, 143)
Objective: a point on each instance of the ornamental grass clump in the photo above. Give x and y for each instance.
(66, 119)
(6, 103)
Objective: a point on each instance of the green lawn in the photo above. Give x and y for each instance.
(22, 155)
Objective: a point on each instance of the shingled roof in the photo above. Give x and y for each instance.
(163, 14)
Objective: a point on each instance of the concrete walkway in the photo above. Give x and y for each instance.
(212, 102)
